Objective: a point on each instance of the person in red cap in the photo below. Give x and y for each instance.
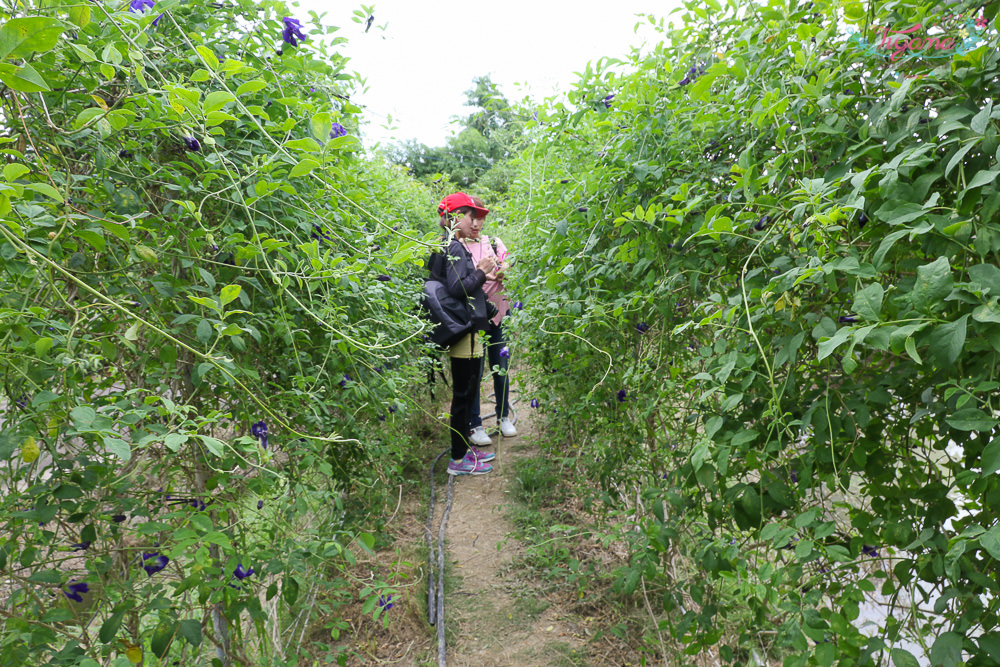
(464, 279)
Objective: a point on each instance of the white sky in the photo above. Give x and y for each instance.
(420, 66)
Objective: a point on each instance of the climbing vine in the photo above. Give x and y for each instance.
(761, 268)
(202, 325)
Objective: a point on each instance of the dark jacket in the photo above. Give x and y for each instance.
(462, 279)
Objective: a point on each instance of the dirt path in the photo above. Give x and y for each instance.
(489, 621)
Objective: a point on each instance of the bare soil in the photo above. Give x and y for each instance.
(496, 613)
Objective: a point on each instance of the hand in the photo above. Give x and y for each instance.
(487, 265)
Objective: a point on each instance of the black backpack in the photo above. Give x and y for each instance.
(452, 317)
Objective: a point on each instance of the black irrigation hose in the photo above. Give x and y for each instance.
(430, 546)
(435, 597)
(440, 595)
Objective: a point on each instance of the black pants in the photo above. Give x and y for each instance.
(465, 374)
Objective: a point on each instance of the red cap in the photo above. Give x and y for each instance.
(455, 201)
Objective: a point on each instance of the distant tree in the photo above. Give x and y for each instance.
(489, 135)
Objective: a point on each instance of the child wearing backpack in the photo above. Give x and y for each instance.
(464, 278)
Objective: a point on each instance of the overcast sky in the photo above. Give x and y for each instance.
(419, 67)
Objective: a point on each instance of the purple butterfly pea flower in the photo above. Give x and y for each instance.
(347, 378)
(534, 403)
(73, 591)
(504, 353)
(157, 20)
(383, 278)
(869, 551)
(292, 33)
(517, 305)
(642, 327)
(622, 394)
(259, 431)
(337, 130)
(385, 602)
(192, 144)
(81, 546)
(260, 504)
(241, 572)
(608, 100)
(153, 562)
(139, 6)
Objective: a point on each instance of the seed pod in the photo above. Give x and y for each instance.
(146, 253)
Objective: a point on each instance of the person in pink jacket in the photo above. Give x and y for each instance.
(479, 246)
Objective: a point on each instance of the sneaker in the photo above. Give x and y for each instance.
(480, 437)
(469, 466)
(507, 428)
(481, 456)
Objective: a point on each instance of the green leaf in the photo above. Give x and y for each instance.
(45, 189)
(320, 125)
(190, 630)
(21, 37)
(886, 245)
(110, 627)
(80, 14)
(948, 339)
(216, 100)
(947, 650)
(959, 154)
(84, 52)
(911, 349)
(173, 441)
(306, 144)
(903, 658)
(132, 333)
(290, 590)
(42, 346)
(14, 171)
(983, 178)
(986, 275)
(827, 347)
(990, 542)
(208, 56)
(93, 238)
(212, 444)
(933, 284)
(971, 419)
(204, 331)
(83, 417)
(24, 79)
(229, 293)
(897, 213)
(868, 301)
(215, 537)
(303, 167)
(981, 120)
(251, 87)
(118, 447)
(990, 461)
(163, 635)
(205, 301)
(988, 312)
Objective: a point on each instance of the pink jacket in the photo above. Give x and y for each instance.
(482, 247)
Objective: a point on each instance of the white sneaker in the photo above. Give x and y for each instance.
(480, 437)
(507, 428)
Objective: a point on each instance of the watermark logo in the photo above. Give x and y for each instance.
(915, 42)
